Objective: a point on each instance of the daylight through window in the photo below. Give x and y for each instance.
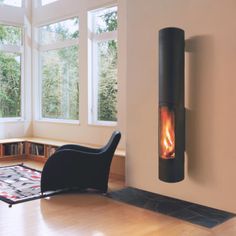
(103, 55)
(59, 70)
(10, 71)
(15, 3)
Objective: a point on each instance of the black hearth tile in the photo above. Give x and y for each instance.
(184, 214)
(160, 198)
(150, 204)
(168, 207)
(151, 201)
(195, 218)
(136, 197)
(145, 194)
(128, 197)
(121, 196)
(203, 221)
(193, 213)
(212, 213)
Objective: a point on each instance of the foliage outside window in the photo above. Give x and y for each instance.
(59, 70)
(15, 3)
(104, 65)
(10, 71)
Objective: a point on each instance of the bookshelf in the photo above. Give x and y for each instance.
(35, 151)
(40, 149)
(12, 149)
(50, 149)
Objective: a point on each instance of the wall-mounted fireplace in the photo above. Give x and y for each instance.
(171, 105)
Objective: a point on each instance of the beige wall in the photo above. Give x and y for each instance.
(210, 28)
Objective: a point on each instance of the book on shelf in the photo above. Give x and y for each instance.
(20, 148)
(37, 149)
(10, 149)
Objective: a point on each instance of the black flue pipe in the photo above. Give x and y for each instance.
(171, 98)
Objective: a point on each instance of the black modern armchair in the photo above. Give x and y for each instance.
(79, 167)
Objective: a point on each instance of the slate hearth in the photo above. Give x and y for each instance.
(194, 213)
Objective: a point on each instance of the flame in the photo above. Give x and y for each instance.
(167, 133)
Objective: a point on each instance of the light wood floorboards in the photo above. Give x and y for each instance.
(94, 215)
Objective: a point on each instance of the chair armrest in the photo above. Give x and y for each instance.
(78, 148)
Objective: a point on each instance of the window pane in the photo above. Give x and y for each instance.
(68, 29)
(10, 35)
(107, 80)
(15, 3)
(45, 2)
(60, 87)
(10, 89)
(106, 20)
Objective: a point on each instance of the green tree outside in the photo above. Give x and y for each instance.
(107, 87)
(10, 73)
(60, 86)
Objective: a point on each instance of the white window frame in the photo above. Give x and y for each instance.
(9, 5)
(9, 48)
(93, 40)
(41, 3)
(48, 47)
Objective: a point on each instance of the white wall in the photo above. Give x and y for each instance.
(83, 132)
(210, 28)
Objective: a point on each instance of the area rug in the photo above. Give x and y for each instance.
(19, 183)
(187, 211)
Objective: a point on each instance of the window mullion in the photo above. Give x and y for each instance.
(104, 36)
(11, 48)
(95, 81)
(58, 45)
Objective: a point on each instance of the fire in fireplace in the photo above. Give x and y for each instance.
(171, 105)
(167, 133)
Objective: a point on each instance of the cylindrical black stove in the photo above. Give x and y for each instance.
(171, 105)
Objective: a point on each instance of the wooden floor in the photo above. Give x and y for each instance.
(94, 215)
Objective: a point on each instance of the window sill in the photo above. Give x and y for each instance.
(60, 121)
(104, 123)
(11, 120)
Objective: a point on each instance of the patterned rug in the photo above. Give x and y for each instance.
(19, 183)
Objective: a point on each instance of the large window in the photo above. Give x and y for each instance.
(15, 3)
(10, 71)
(59, 82)
(103, 65)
